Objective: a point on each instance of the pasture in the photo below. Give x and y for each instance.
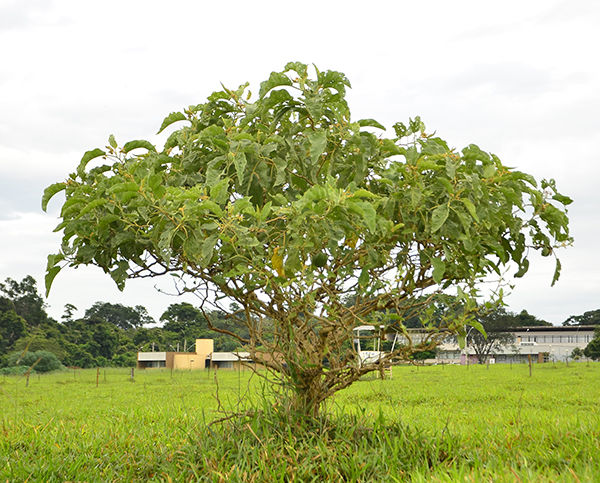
(437, 423)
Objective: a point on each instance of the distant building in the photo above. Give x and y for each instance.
(541, 343)
(204, 357)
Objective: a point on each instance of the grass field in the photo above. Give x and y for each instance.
(438, 423)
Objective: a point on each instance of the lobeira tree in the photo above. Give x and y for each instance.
(284, 205)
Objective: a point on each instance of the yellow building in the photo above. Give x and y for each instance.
(203, 358)
(199, 359)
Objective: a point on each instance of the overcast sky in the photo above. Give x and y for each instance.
(520, 79)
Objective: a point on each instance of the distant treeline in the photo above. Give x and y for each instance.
(112, 334)
(107, 335)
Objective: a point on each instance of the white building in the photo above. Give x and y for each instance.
(542, 344)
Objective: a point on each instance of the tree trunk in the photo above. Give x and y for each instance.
(307, 394)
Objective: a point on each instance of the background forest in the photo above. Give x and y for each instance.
(107, 335)
(111, 334)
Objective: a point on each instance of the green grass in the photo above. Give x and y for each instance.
(440, 423)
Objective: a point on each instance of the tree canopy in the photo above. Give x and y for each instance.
(591, 317)
(119, 315)
(284, 204)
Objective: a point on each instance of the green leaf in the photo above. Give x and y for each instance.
(439, 267)
(297, 67)
(240, 162)
(523, 268)
(365, 210)
(471, 208)
(370, 123)
(139, 143)
(363, 193)
(461, 341)
(363, 279)
(112, 141)
(107, 220)
(155, 182)
(489, 171)
(318, 143)
(219, 193)
(87, 157)
(478, 327)
(565, 200)
(171, 141)
(276, 79)
(50, 191)
(447, 185)
(390, 148)
(91, 206)
(207, 249)
(556, 272)
(52, 270)
(51, 274)
(121, 187)
(439, 217)
(170, 119)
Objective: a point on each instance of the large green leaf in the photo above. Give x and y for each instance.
(522, 268)
(318, 143)
(52, 270)
(471, 208)
(240, 162)
(439, 268)
(51, 274)
(439, 217)
(276, 79)
(556, 272)
(139, 143)
(565, 200)
(170, 119)
(371, 123)
(87, 157)
(50, 191)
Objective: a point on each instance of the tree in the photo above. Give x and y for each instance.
(577, 353)
(27, 301)
(183, 318)
(592, 350)
(70, 310)
(119, 315)
(12, 325)
(284, 205)
(42, 361)
(591, 317)
(186, 323)
(38, 339)
(525, 319)
(497, 325)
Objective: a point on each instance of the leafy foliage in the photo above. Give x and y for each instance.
(285, 205)
(27, 302)
(496, 325)
(119, 315)
(592, 350)
(591, 317)
(108, 334)
(41, 361)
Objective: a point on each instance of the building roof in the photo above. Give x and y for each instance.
(230, 356)
(152, 356)
(554, 328)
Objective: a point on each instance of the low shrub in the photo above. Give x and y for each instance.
(47, 361)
